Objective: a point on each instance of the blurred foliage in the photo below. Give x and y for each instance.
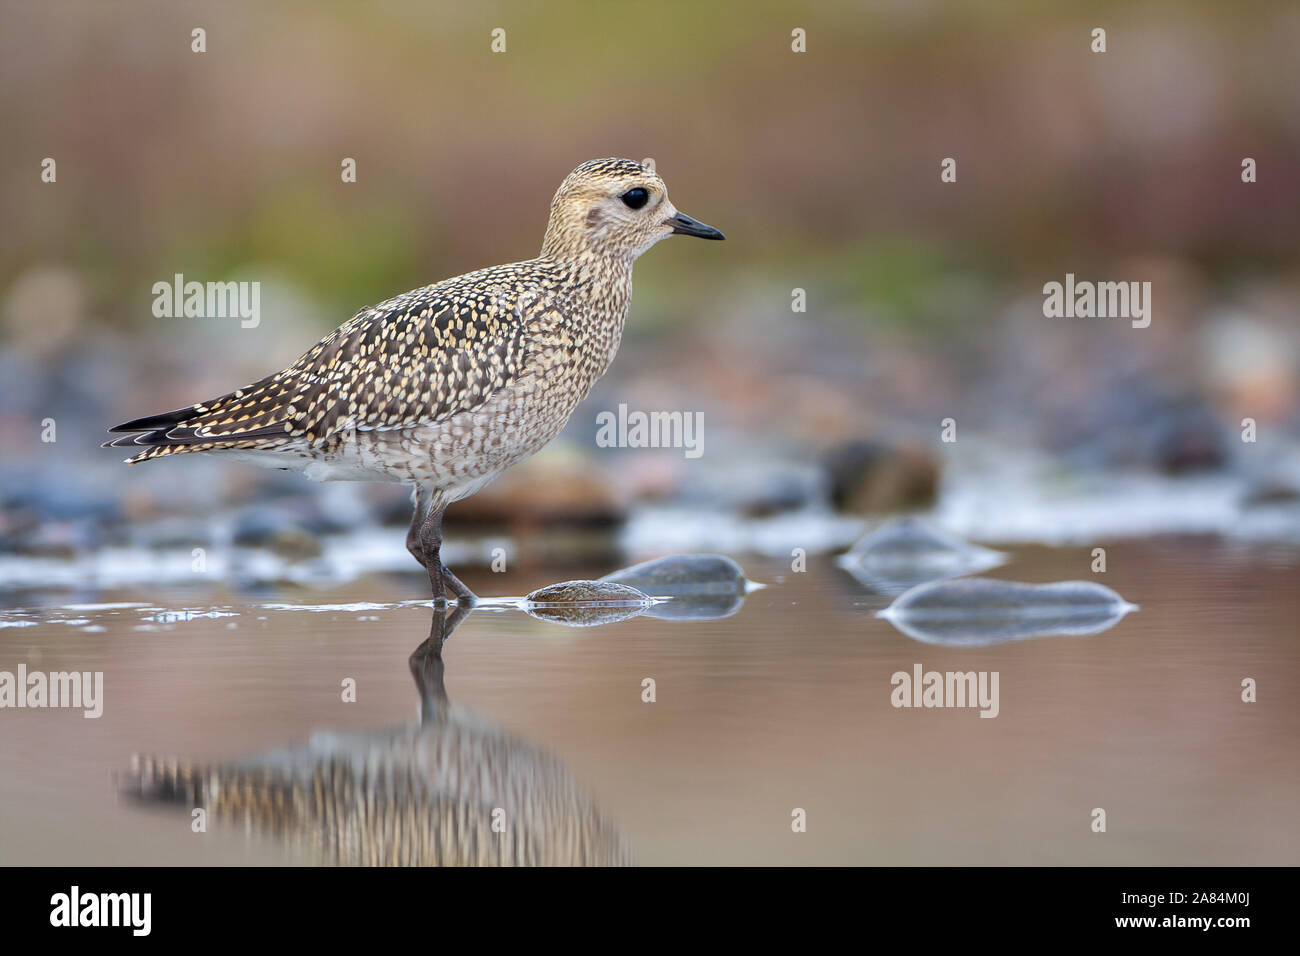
(819, 166)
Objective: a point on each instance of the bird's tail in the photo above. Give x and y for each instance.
(258, 416)
(153, 432)
(152, 779)
(256, 794)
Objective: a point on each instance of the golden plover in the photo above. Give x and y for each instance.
(446, 386)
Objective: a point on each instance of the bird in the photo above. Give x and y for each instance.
(444, 387)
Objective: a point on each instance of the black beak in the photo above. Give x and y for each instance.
(684, 225)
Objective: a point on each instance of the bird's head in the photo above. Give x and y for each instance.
(615, 207)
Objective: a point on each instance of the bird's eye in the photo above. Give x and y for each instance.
(635, 198)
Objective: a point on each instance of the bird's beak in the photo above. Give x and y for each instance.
(684, 225)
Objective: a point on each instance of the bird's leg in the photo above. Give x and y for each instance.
(428, 669)
(413, 539)
(440, 577)
(427, 666)
(421, 501)
(431, 548)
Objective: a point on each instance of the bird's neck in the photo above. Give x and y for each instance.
(599, 286)
(594, 294)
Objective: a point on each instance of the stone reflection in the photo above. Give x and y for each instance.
(905, 552)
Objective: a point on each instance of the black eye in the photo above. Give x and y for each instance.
(635, 198)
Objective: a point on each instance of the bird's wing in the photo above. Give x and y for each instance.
(416, 359)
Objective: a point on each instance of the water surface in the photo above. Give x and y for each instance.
(784, 704)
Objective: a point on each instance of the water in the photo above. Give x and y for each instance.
(784, 704)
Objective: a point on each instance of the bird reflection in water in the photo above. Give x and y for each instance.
(452, 790)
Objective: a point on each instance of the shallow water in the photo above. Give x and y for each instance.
(785, 704)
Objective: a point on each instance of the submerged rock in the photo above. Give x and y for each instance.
(586, 603)
(683, 574)
(906, 551)
(973, 612)
(587, 592)
(702, 587)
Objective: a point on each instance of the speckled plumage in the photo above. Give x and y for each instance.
(446, 386)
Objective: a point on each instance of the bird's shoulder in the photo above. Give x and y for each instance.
(422, 356)
(463, 312)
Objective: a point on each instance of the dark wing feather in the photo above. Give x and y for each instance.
(152, 422)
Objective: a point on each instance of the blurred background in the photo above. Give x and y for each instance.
(924, 298)
(226, 603)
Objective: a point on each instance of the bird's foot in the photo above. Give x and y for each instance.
(464, 596)
(441, 580)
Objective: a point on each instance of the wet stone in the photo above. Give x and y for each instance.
(586, 603)
(681, 575)
(701, 587)
(588, 592)
(980, 611)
